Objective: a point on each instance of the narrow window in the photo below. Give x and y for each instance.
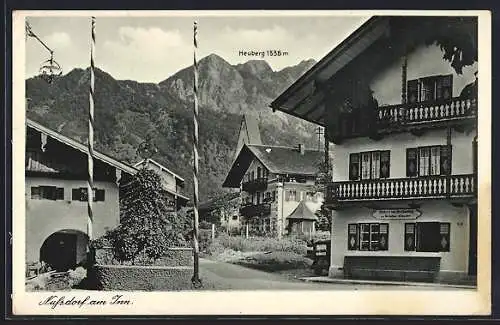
(375, 165)
(445, 160)
(385, 164)
(409, 237)
(412, 92)
(411, 162)
(384, 237)
(352, 236)
(365, 165)
(354, 166)
(435, 163)
(423, 161)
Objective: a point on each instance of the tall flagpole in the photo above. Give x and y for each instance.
(90, 183)
(196, 272)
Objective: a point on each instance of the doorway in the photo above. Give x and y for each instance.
(59, 251)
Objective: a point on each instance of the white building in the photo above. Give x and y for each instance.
(56, 196)
(403, 130)
(274, 181)
(172, 183)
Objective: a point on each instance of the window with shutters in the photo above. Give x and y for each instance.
(368, 236)
(427, 237)
(439, 87)
(428, 161)
(80, 194)
(47, 193)
(369, 165)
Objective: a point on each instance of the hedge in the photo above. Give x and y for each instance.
(141, 278)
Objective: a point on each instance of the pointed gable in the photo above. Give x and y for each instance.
(276, 159)
(302, 212)
(249, 132)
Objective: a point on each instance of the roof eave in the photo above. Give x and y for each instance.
(321, 64)
(81, 147)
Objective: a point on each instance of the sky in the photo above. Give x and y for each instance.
(150, 49)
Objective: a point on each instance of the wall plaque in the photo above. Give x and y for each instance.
(397, 214)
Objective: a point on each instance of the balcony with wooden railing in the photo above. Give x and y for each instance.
(425, 112)
(258, 184)
(418, 188)
(254, 210)
(413, 117)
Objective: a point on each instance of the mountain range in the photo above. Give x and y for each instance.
(126, 112)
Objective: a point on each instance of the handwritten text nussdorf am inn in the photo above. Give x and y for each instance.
(54, 301)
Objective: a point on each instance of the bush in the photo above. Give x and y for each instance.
(171, 257)
(147, 226)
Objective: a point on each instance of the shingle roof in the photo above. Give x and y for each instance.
(287, 160)
(218, 201)
(142, 162)
(279, 160)
(302, 212)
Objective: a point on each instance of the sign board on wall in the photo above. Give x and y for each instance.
(397, 214)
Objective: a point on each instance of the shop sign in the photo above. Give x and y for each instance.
(397, 214)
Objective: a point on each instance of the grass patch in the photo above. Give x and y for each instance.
(275, 261)
(256, 244)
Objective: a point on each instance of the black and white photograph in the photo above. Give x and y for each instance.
(256, 162)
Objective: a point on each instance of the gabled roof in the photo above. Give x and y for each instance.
(278, 160)
(81, 147)
(159, 166)
(218, 201)
(298, 99)
(302, 212)
(379, 41)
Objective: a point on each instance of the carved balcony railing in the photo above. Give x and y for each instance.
(428, 187)
(425, 112)
(258, 184)
(252, 210)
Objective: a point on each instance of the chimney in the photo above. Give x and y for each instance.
(302, 148)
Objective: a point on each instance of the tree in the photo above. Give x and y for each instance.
(323, 177)
(147, 226)
(458, 39)
(324, 219)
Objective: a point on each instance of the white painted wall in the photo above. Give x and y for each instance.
(44, 217)
(424, 61)
(462, 153)
(168, 179)
(456, 260)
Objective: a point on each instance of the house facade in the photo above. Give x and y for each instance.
(402, 127)
(273, 181)
(172, 183)
(223, 211)
(56, 196)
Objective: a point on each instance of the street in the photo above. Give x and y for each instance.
(224, 276)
